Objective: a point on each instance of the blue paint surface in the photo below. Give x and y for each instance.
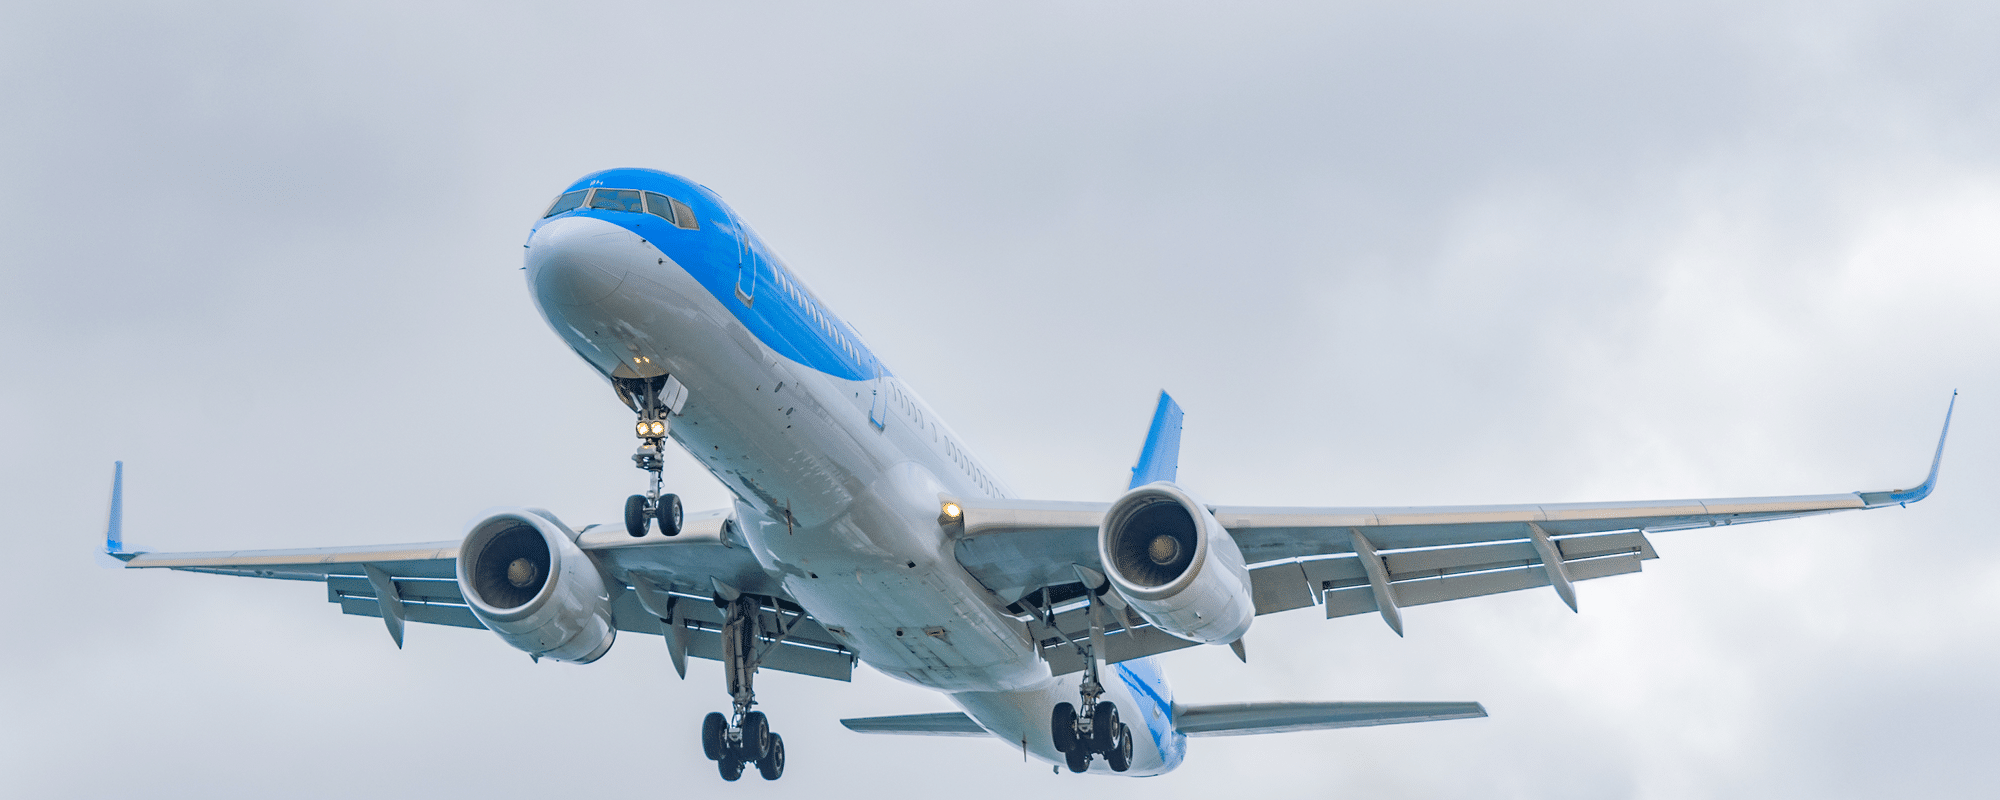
(1150, 683)
(1160, 459)
(1930, 483)
(781, 313)
(114, 534)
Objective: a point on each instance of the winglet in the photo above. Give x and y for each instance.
(1923, 490)
(1160, 459)
(114, 532)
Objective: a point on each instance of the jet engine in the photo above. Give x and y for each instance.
(527, 581)
(1173, 563)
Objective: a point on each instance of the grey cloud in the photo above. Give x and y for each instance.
(1381, 253)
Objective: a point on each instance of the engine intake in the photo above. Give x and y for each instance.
(526, 580)
(1172, 562)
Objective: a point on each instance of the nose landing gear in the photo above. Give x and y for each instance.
(645, 395)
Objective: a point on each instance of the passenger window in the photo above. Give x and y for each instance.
(684, 216)
(566, 202)
(616, 200)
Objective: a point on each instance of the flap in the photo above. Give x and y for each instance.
(951, 723)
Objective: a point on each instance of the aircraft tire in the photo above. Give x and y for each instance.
(669, 514)
(712, 727)
(635, 515)
(1062, 727)
(1104, 727)
(731, 768)
(1119, 758)
(772, 765)
(756, 736)
(1077, 760)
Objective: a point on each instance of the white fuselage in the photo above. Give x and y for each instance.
(841, 510)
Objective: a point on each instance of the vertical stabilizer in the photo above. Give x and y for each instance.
(1161, 457)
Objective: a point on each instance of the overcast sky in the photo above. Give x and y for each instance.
(268, 255)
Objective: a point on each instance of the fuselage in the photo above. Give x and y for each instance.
(839, 469)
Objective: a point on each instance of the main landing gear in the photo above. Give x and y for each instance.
(743, 737)
(643, 395)
(1096, 731)
(1099, 732)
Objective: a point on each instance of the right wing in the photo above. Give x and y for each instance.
(419, 583)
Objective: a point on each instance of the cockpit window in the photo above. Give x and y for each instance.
(671, 210)
(616, 200)
(658, 206)
(566, 202)
(684, 216)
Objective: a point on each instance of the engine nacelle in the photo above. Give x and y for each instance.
(527, 581)
(1169, 558)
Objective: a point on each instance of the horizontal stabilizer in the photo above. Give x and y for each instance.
(950, 723)
(1243, 719)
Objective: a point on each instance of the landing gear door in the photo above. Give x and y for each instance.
(878, 413)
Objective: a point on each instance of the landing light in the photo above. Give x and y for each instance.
(952, 512)
(650, 429)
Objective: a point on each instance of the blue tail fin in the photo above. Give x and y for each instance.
(1161, 457)
(114, 533)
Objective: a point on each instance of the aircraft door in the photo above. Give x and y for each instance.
(878, 413)
(746, 266)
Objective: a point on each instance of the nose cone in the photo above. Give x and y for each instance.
(575, 261)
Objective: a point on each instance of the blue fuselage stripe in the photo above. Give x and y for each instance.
(782, 313)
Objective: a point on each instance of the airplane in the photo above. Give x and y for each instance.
(863, 530)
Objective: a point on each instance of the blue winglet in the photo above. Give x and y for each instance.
(114, 533)
(1161, 457)
(1921, 491)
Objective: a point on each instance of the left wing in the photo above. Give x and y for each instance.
(1358, 560)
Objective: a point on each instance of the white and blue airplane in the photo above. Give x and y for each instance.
(863, 530)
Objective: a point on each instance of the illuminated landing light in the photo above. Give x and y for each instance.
(952, 513)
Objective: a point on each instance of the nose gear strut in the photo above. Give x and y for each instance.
(645, 396)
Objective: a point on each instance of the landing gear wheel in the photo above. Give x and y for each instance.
(731, 768)
(635, 515)
(712, 727)
(772, 765)
(1077, 760)
(669, 514)
(756, 736)
(1062, 727)
(1104, 727)
(1119, 758)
